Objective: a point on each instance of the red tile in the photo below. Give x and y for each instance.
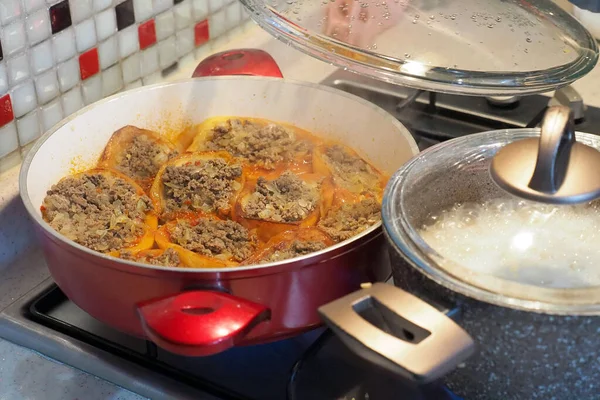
(6, 111)
(89, 64)
(201, 34)
(147, 34)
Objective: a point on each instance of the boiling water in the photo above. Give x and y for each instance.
(544, 245)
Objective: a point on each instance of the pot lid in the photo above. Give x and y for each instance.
(493, 47)
(445, 215)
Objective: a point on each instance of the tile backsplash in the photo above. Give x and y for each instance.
(58, 55)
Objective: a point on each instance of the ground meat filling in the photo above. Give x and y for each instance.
(168, 258)
(350, 171)
(285, 199)
(264, 146)
(143, 158)
(214, 238)
(202, 186)
(99, 212)
(295, 249)
(350, 219)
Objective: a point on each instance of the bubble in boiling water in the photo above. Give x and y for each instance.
(406, 55)
(528, 40)
(453, 16)
(414, 21)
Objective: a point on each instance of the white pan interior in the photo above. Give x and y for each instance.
(76, 143)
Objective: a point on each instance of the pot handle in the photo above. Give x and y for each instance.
(238, 62)
(199, 323)
(399, 332)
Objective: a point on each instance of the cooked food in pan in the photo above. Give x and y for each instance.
(207, 182)
(286, 202)
(137, 153)
(246, 191)
(103, 210)
(208, 241)
(266, 147)
(291, 244)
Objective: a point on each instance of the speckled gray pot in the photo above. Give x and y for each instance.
(520, 355)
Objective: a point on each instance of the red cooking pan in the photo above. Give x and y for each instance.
(202, 311)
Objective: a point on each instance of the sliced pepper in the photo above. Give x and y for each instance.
(350, 171)
(165, 258)
(291, 244)
(271, 208)
(81, 206)
(207, 241)
(137, 153)
(266, 148)
(206, 183)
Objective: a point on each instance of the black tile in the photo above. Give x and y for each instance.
(60, 16)
(180, 1)
(125, 14)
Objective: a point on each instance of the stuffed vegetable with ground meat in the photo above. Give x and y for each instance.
(102, 210)
(206, 183)
(284, 203)
(207, 241)
(137, 153)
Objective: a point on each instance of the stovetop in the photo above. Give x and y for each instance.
(312, 366)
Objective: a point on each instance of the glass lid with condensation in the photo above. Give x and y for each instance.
(477, 47)
(446, 216)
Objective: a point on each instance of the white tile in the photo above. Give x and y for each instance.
(85, 35)
(13, 38)
(28, 128)
(108, 52)
(9, 10)
(68, 74)
(234, 15)
(38, 26)
(217, 24)
(134, 85)
(63, 44)
(185, 42)
(165, 25)
(52, 114)
(92, 89)
(23, 99)
(183, 14)
(72, 101)
(152, 79)
(3, 79)
(215, 5)
(149, 61)
(143, 9)
(80, 10)
(32, 5)
(162, 5)
(18, 69)
(112, 81)
(100, 5)
(9, 141)
(167, 52)
(200, 9)
(131, 68)
(46, 87)
(106, 24)
(41, 57)
(128, 41)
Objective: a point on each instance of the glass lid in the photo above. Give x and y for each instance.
(446, 216)
(477, 47)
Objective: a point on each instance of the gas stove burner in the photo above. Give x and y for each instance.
(434, 117)
(503, 101)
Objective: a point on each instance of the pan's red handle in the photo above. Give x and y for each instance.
(239, 62)
(199, 323)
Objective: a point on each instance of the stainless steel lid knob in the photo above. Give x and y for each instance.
(552, 169)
